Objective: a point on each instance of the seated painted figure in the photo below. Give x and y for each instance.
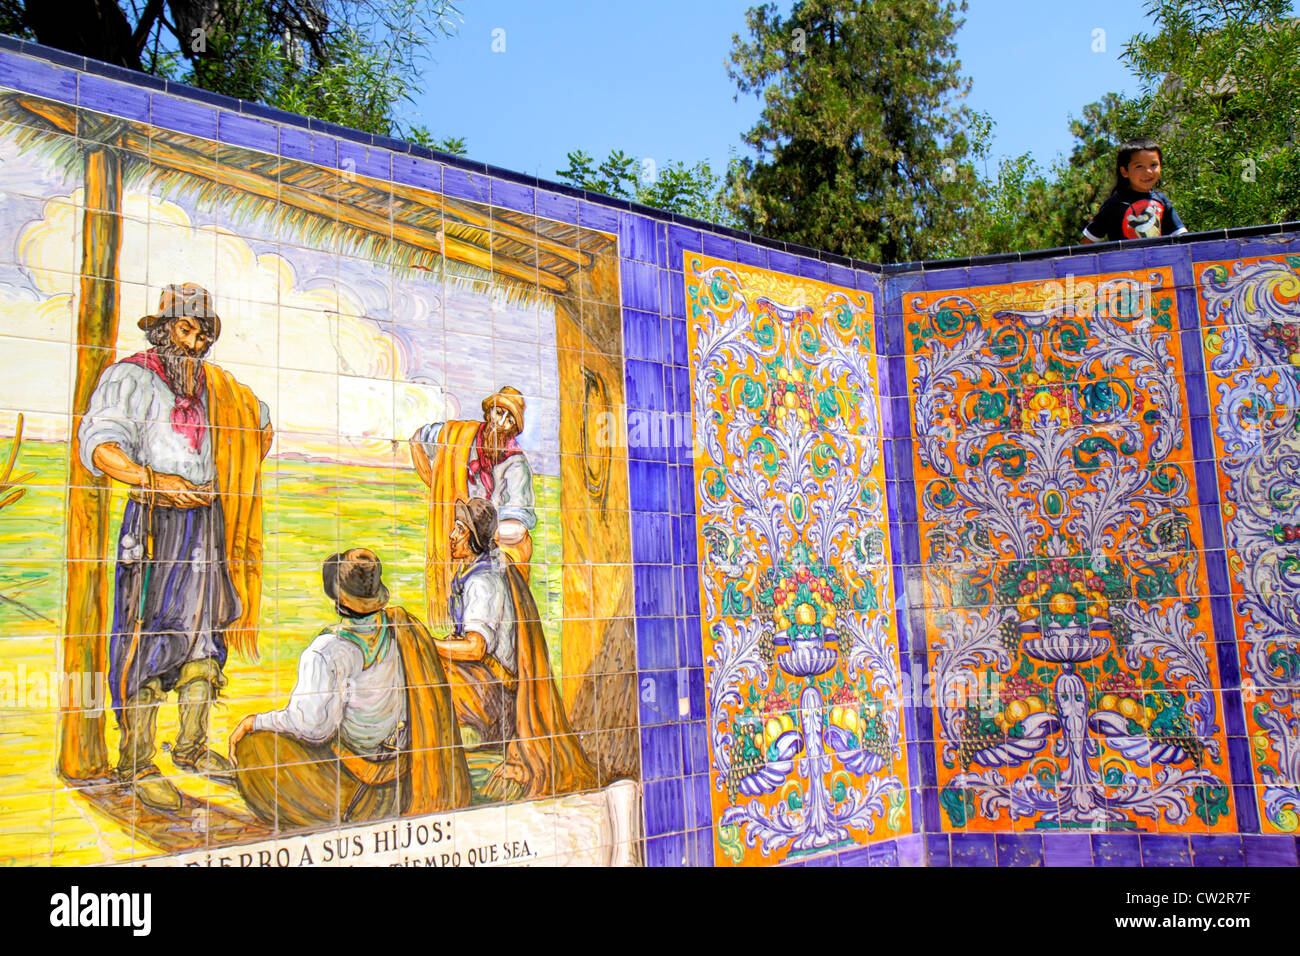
(369, 731)
(500, 670)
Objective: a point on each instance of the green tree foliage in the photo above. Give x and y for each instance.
(862, 142)
(1018, 206)
(1080, 183)
(344, 61)
(1005, 209)
(1220, 88)
(1221, 94)
(676, 187)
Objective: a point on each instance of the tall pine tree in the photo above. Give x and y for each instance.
(862, 142)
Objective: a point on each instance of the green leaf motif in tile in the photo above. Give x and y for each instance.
(766, 453)
(1087, 453)
(958, 804)
(951, 321)
(1153, 583)
(735, 603)
(1210, 803)
(990, 405)
(714, 485)
(718, 289)
(822, 455)
(729, 840)
(1014, 460)
(1007, 342)
(897, 803)
(1070, 336)
(753, 393)
(809, 340)
(939, 493)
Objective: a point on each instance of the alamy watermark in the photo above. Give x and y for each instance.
(22, 688)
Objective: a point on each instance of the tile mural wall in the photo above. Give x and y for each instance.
(367, 505)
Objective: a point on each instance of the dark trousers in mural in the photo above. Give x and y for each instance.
(188, 596)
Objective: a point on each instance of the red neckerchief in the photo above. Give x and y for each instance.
(188, 418)
(480, 465)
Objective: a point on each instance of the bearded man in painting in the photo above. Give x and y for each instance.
(188, 440)
(468, 459)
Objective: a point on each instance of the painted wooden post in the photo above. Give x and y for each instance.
(82, 751)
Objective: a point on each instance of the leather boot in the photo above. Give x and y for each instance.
(135, 764)
(195, 692)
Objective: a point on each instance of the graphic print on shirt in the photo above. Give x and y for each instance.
(1142, 219)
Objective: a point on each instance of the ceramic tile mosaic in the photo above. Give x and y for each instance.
(1066, 595)
(1250, 321)
(797, 560)
(391, 369)
(806, 741)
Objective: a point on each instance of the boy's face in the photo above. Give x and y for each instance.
(460, 549)
(1143, 170)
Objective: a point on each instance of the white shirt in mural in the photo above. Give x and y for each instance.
(512, 482)
(337, 693)
(489, 611)
(132, 408)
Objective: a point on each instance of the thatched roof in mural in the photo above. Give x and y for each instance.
(409, 229)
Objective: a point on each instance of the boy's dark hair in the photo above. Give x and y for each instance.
(1126, 153)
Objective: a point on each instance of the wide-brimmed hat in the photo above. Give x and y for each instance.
(186, 298)
(480, 516)
(510, 399)
(357, 575)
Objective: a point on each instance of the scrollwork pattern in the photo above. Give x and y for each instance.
(802, 668)
(1251, 331)
(1073, 676)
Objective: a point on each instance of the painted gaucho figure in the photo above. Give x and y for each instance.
(369, 730)
(137, 537)
(480, 518)
(188, 440)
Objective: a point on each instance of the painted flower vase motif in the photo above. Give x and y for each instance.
(1063, 557)
(802, 670)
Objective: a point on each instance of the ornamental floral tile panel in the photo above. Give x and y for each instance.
(801, 654)
(1251, 318)
(1070, 644)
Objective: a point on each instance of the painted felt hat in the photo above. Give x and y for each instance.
(509, 398)
(480, 516)
(357, 575)
(186, 298)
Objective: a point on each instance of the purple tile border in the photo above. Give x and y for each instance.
(1067, 849)
(1165, 850)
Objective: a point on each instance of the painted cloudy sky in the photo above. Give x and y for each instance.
(349, 357)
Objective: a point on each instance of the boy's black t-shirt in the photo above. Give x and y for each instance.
(1129, 214)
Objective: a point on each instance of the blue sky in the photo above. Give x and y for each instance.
(650, 78)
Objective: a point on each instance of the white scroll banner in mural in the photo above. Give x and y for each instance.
(601, 828)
